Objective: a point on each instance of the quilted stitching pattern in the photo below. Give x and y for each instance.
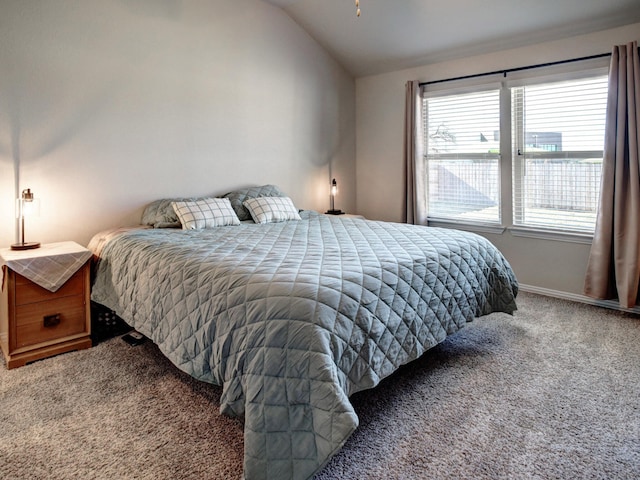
(292, 318)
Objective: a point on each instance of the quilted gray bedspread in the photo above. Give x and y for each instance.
(292, 318)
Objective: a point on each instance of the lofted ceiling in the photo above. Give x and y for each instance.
(394, 34)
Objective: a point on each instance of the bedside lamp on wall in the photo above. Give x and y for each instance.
(26, 206)
(334, 192)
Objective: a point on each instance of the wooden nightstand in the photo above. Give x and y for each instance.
(36, 322)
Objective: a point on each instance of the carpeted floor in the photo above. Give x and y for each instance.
(550, 393)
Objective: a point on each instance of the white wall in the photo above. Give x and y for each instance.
(106, 105)
(543, 264)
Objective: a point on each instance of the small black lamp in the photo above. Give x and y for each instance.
(334, 192)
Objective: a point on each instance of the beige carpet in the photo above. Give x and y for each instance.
(550, 393)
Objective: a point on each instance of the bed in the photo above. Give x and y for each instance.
(292, 317)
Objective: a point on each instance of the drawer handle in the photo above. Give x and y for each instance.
(51, 320)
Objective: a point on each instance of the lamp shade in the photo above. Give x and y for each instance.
(27, 208)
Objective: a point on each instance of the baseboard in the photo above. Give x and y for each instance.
(612, 304)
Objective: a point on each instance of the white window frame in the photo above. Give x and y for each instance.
(557, 72)
(461, 88)
(545, 232)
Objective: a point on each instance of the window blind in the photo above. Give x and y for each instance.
(462, 140)
(558, 143)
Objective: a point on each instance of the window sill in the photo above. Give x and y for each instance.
(572, 237)
(469, 227)
(555, 235)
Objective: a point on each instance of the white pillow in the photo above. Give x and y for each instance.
(205, 213)
(271, 209)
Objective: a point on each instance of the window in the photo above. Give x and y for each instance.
(463, 156)
(558, 142)
(549, 178)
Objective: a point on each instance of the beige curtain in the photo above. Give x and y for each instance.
(415, 205)
(613, 270)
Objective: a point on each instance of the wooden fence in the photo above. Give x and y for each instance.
(557, 185)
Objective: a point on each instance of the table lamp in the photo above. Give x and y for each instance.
(334, 192)
(26, 206)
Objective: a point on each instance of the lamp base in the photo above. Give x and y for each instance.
(25, 245)
(334, 212)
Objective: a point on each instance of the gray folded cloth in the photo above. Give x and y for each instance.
(49, 266)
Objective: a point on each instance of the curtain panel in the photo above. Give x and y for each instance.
(415, 177)
(613, 270)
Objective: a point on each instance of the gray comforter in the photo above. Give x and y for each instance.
(292, 318)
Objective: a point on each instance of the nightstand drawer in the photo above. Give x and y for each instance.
(29, 292)
(45, 321)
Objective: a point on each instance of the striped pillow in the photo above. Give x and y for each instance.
(271, 209)
(205, 213)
